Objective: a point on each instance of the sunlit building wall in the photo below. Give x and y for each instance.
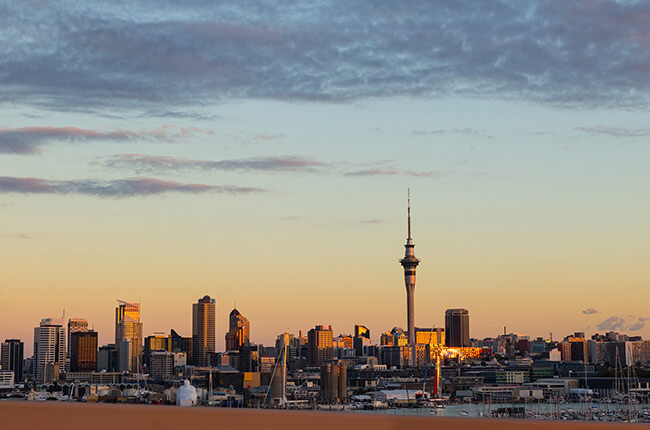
(128, 327)
(319, 345)
(238, 331)
(203, 330)
(83, 351)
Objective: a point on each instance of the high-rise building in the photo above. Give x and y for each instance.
(49, 350)
(410, 263)
(361, 339)
(238, 331)
(182, 344)
(429, 336)
(107, 358)
(203, 330)
(319, 345)
(361, 331)
(161, 365)
(11, 358)
(83, 351)
(125, 356)
(156, 342)
(457, 328)
(75, 325)
(128, 327)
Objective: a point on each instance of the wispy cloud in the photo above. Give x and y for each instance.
(113, 188)
(578, 53)
(29, 140)
(392, 171)
(268, 137)
(622, 323)
(615, 131)
(590, 311)
(16, 236)
(142, 163)
(371, 221)
(467, 130)
(152, 163)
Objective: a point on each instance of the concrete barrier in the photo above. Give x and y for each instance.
(59, 415)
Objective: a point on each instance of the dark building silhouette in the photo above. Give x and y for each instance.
(182, 344)
(83, 351)
(457, 328)
(107, 358)
(11, 358)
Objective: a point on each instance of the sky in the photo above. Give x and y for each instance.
(261, 152)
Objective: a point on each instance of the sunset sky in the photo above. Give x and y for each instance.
(156, 153)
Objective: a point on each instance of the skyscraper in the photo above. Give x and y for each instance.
(361, 339)
(83, 351)
(457, 328)
(156, 342)
(75, 325)
(410, 263)
(128, 327)
(319, 345)
(11, 358)
(238, 332)
(49, 349)
(203, 330)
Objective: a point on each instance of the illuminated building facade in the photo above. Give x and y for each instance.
(75, 325)
(319, 345)
(128, 328)
(238, 331)
(203, 330)
(83, 351)
(156, 342)
(427, 336)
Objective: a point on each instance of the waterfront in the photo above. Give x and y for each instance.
(586, 411)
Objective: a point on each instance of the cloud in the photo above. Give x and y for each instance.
(371, 221)
(581, 53)
(590, 311)
(268, 137)
(112, 188)
(16, 236)
(142, 163)
(467, 130)
(152, 163)
(613, 323)
(29, 140)
(623, 323)
(391, 171)
(615, 132)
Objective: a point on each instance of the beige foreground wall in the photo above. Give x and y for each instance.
(57, 415)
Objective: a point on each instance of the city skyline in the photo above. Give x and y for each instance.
(260, 154)
(627, 323)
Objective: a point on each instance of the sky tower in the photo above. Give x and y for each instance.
(410, 263)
